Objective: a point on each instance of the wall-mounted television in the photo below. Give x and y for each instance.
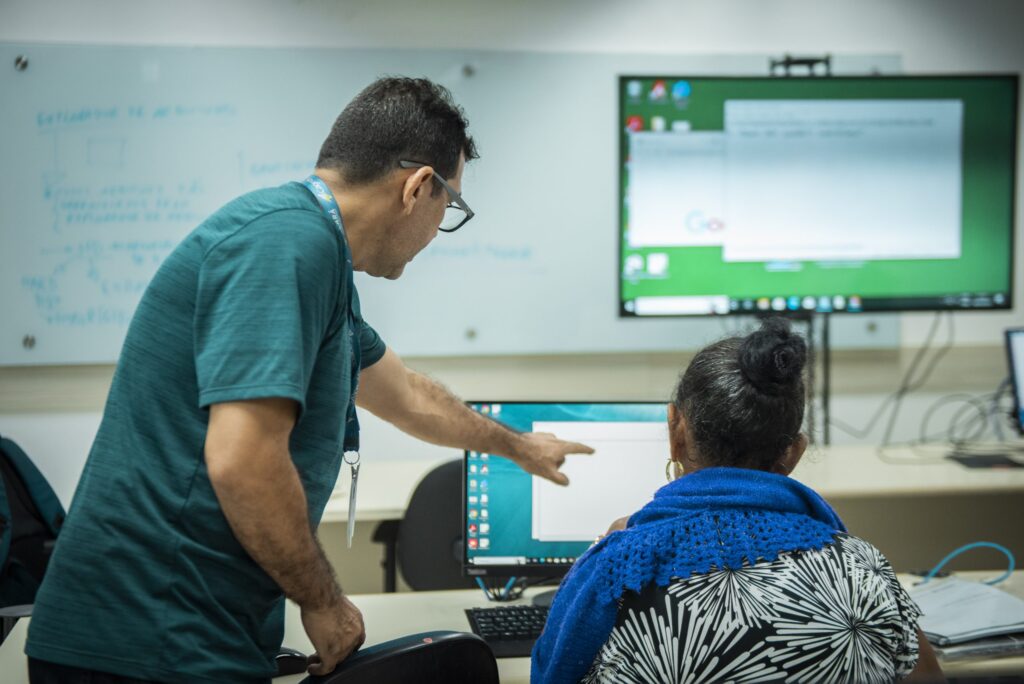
(837, 194)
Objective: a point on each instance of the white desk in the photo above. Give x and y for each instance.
(845, 472)
(389, 616)
(834, 472)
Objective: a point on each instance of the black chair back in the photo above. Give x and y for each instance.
(448, 657)
(430, 536)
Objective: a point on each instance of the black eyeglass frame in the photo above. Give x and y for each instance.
(453, 195)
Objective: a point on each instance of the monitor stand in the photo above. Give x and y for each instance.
(544, 598)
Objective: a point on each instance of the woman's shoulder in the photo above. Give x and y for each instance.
(847, 559)
(847, 556)
(861, 554)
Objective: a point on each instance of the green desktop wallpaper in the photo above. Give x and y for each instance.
(989, 135)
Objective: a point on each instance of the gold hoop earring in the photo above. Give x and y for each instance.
(671, 471)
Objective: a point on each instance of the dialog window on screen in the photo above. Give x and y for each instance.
(622, 474)
(866, 179)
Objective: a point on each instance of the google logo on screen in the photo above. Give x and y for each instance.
(698, 224)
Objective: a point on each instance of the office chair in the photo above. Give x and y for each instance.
(30, 520)
(427, 543)
(443, 656)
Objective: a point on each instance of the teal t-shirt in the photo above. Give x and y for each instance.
(147, 579)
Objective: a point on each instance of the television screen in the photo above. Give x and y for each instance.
(840, 194)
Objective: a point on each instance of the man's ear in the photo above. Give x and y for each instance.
(792, 456)
(417, 183)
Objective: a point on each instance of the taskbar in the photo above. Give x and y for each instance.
(719, 305)
(496, 560)
(518, 566)
(521, 560)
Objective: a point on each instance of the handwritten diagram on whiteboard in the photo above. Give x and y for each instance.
(112, 222)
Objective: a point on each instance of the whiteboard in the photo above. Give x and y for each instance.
(113, 154)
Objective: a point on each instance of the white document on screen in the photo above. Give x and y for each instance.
(842, 180)
(626, 468)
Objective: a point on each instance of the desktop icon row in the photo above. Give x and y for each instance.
(476, 537)
(494, 409)
(820, 304)
(659, 91)
(561, 560)
(481, 528)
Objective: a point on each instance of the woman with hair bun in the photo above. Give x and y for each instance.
(734, 571)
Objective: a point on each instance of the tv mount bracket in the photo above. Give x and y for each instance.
(815, 66)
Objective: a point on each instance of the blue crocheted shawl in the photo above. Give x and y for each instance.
(710, 519)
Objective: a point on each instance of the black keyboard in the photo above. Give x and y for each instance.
(510, 631)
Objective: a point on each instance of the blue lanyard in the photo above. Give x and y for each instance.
(325, 197)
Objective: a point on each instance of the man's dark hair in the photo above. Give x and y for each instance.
(743, 397)
(397, 119)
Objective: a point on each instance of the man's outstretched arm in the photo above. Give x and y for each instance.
(423, 408)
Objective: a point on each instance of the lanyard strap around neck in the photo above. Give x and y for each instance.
(325, 198)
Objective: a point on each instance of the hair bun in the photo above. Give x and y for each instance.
(772, 358)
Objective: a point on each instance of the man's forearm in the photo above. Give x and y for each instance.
(439, 417)
(266, 509)
(425, 409)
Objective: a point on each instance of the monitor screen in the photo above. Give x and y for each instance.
(840, 194)
(520, 524)
(1015, 350)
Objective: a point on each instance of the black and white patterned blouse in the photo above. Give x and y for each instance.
(837, 614)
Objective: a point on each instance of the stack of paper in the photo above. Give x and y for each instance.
(955, 611)
(989, 647)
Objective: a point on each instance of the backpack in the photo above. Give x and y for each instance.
(30, 518)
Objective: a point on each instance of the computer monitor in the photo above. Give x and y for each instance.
(517, 524)
(838, 194)
(1015, 352)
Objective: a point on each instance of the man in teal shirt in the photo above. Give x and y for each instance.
(232, 403)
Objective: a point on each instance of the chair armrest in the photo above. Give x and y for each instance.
(290, 662)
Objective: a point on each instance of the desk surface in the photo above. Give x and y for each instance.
(389, 616)
(834, 472)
